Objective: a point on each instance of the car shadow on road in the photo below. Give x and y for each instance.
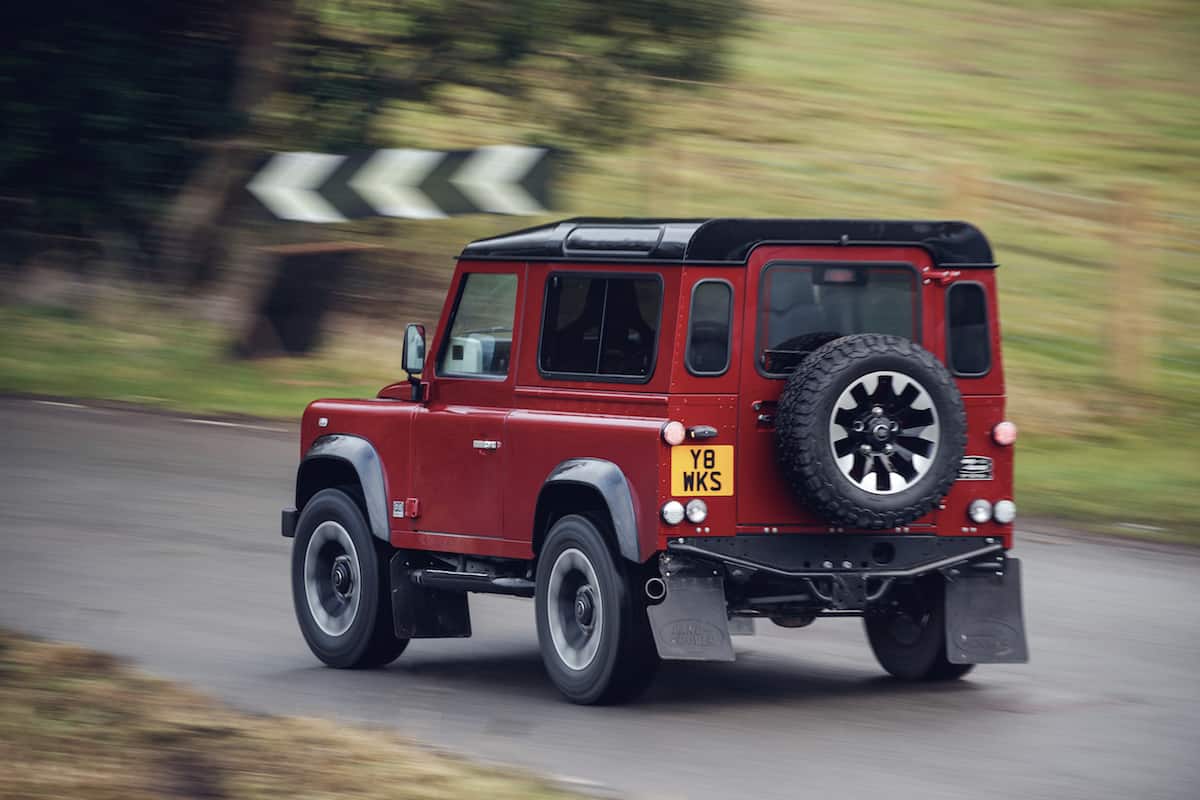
(516, 671)
(753, 679)
(797, 680)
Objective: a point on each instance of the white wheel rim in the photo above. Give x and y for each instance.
(575, 643)
(334, 611)
(884, 432)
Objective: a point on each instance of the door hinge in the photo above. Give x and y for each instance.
(412, 508)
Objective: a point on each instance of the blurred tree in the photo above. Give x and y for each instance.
(102, 106)
(136, 121)
(587, 59)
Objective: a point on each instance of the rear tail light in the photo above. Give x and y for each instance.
(1004, 434)
(673, 432)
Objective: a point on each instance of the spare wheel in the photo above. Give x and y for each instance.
(870, 431)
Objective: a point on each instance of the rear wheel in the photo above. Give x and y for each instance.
(592, 626)
(908, 637)
(340, 585)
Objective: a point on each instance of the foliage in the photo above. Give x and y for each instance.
(576, 64)
(103, 104)
(109, 106)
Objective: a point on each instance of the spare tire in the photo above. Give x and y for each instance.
(870, 431)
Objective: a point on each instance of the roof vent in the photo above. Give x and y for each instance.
(617, 240)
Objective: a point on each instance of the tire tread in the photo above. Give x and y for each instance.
(800, 428)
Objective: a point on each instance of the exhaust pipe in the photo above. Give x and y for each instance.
(656, 589)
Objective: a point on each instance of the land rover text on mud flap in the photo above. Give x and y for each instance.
(663, 429)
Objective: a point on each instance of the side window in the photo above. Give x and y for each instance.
(597, 326)
(968, 340)
(480, 340)
(708, 328)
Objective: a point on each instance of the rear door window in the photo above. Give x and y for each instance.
(803, 306)
(968, 343)
(598, 327)
(709, 327)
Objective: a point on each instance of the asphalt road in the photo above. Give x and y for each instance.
(157, 539)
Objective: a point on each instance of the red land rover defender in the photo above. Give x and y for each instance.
(663, 429)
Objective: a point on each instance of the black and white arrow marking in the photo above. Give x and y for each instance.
(409, 183)
(288, 185)
(390, 183)
(491, 178)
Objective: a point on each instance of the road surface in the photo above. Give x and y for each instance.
(157, 538)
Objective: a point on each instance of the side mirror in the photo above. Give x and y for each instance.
(412, 358)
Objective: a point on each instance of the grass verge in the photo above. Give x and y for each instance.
(76, 723)
(136, 353)
(1100, 467)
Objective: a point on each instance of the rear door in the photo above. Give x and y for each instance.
(796, 299)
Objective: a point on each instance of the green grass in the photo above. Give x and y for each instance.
(1104, 476)
(75, 723)
(143, 354)
(1136, 483)
(861, 109)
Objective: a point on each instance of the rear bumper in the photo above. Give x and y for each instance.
(795, 578)
(805, 556)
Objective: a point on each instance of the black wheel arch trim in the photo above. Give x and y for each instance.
(362, 457)
(611, 484)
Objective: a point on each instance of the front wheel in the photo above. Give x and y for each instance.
(340, 585)
(592, 626)
(908, 636)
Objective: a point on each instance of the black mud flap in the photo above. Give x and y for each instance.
(984, 621)
(419, 612)
(691, 623)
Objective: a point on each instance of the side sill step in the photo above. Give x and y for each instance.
(449, 580)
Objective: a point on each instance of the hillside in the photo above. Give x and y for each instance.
(1069, 131)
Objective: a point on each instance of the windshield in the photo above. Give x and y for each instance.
(803, 306)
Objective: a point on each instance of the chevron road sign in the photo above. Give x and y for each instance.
(415, 184)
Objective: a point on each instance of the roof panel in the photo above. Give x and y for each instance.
(726, 241)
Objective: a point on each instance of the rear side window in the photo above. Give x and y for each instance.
(708, 328)
(602, 327)
(480, 341)
(969, 342)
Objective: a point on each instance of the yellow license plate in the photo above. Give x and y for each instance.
(702, 470)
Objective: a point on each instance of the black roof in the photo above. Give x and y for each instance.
(724, 241)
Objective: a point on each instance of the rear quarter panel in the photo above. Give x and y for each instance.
(554, 426)
(555, 419)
